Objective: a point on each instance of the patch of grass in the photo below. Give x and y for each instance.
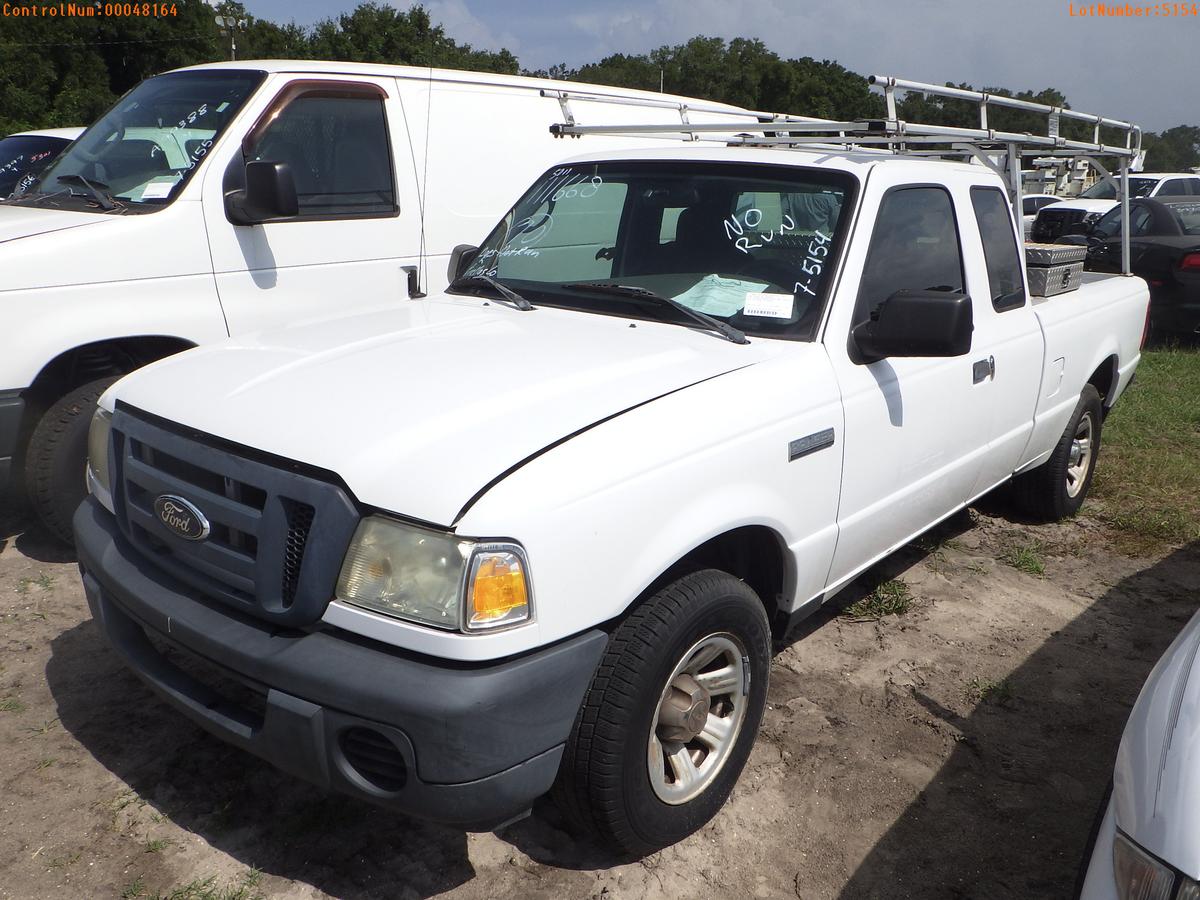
(1026, 558)
(158, 845)
(59, 862)
(135, 889)
(997, 693)
(11, 704)
(46, 763)
(44, 581)
(245, 888)
(45, 728)
(1147, 474)
(891, 598)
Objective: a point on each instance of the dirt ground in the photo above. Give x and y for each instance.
(959, 750)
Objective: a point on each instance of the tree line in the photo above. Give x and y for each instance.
(69, 70)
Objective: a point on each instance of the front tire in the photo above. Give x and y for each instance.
(1057, 488)
(55, 477)
(671, 715)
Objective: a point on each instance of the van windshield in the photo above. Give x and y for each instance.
(754, 246)
(139, 154)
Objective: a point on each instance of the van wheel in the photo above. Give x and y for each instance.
(55, 477)
(1056, 489)
(671, 715)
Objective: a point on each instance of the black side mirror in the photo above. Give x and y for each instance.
(270, 194)
(916, 323)
(461, 258)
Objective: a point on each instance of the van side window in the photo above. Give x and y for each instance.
(1000, 249)
(1174, 187)
(336, 142)
(914, 247)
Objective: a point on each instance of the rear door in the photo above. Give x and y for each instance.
(915, 429)
(359, 222)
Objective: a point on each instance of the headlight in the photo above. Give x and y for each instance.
(97, 464)
(1139, 876)
(1189, 890)
(435, 578)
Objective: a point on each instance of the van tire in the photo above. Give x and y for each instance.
(604, 782)
(55, 461)
(1049, 492)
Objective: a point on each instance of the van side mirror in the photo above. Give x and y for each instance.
(461, 258)
(270, 194)
(916, 323)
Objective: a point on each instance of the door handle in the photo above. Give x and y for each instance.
(984, 368)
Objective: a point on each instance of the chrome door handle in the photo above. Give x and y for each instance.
(984, 368)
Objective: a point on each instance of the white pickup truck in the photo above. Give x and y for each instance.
(535, 530)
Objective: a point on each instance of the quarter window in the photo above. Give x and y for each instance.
(1000, 249)
(335, 141)
(914, 247)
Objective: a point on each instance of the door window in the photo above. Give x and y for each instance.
(999, 248)
(914, 247)
(1174, 187)
(335, 140)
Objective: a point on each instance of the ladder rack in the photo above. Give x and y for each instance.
(998, 150)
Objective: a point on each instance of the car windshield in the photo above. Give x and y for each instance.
(1188, 215)
(146, 146)
(1102, 190)
(24, 155)
(753, 246)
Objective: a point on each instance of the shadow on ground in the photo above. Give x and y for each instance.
(1017, 796)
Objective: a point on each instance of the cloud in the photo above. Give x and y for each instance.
(465, 27)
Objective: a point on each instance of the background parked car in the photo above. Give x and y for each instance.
(1097, 200)
(1164, 248)
(1031, 204)
(28, 152)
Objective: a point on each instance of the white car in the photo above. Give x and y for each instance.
(24, 154)
(226, 198)
(1147, 845)
(536, 529)
(1089, 207)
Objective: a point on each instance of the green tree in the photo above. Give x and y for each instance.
(1174, 150)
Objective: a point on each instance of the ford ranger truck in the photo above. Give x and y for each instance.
(533, 533)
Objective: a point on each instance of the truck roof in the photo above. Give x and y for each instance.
(425, 73)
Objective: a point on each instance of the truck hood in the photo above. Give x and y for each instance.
(1100, 206)
(26, 221)
(1156, 782)
(421, 406)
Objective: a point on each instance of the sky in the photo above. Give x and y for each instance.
(1146, 70)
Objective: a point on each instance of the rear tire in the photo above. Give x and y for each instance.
(55, 462)
(1057, 488)
(624, 776)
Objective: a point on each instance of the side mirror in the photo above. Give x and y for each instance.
(270, 194)
(916, 323)
(461, 258)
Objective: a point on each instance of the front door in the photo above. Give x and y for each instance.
(359, 220)
(915, 431)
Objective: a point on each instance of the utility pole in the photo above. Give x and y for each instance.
(229, 26)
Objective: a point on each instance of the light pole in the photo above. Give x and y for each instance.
(229, 26)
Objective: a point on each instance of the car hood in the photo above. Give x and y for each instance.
(26, 221)
(1100, 206)
(1156, 782)
(419, 407)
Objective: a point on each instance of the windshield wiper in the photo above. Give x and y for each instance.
(502, 289)
(724, 329)
(98, 190)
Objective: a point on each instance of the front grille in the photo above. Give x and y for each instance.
(276, 535)
(1053, 223)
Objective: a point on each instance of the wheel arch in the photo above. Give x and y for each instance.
(1104, 379)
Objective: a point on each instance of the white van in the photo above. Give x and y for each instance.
(221, 199)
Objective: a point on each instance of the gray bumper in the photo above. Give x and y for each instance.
(12, 407)
(466, 745)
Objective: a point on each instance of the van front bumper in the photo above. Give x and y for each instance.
(466, 745)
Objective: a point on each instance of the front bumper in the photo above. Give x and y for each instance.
(466, 745)
(12, 407)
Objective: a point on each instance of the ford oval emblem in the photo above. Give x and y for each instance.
(181, 518)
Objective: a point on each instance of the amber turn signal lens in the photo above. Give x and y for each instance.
(498, 593)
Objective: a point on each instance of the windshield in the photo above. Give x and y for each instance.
(1102, 190)
(22, 156)
(147, 145)
(750, 245)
